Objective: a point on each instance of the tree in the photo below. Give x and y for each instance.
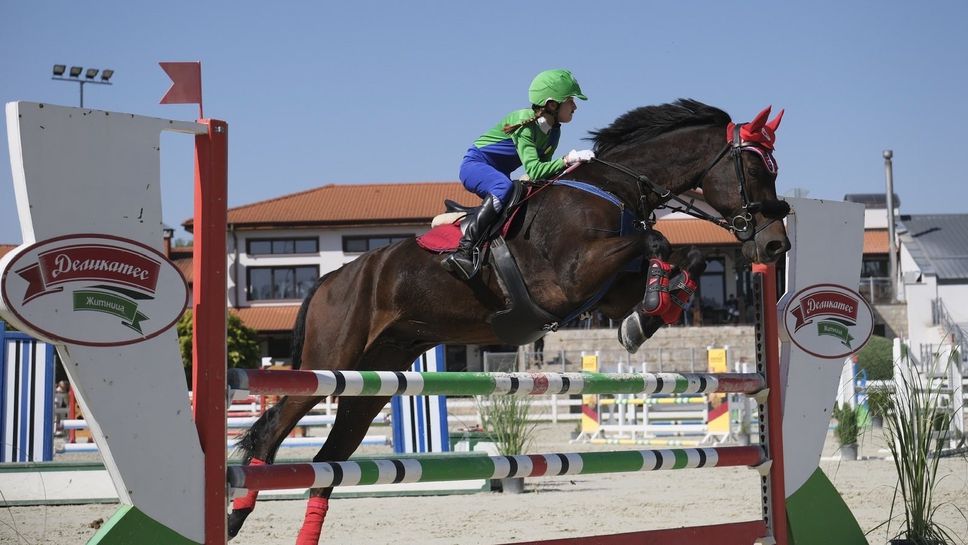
(242, 348)
(877, 357)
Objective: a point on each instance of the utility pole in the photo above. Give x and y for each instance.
(891, 244)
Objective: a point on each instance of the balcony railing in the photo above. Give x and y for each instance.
(876, 289)
(959, 338)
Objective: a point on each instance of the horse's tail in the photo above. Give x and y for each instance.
(299, 332)
(268, 421)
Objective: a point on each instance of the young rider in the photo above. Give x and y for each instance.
(526, 137)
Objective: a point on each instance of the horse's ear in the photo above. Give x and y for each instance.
(759, 120)
(772, 125)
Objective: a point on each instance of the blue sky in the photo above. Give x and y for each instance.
(353, 92)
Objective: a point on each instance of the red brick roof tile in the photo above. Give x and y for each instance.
(353, 204)
(876, 241)
(698, 232)
(267, 319)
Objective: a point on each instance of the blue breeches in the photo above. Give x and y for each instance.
(482, 179)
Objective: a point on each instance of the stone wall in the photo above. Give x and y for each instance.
(670, 349)
(894, 317)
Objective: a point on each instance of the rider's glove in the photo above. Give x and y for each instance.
(574, 156)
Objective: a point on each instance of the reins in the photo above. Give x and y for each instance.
(742, 224)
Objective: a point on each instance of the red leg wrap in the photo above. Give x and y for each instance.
(312, 526)
(657, 300)
(248, 501)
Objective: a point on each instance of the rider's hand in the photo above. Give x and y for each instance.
(574, 156)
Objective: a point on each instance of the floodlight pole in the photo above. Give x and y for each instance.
(81, 82)
(891, 244)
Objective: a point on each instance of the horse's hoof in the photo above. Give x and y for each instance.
(236, 519)
(630, 334)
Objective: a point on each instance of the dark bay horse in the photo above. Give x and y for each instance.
(384, 309)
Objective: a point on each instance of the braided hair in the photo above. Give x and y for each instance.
(538, 112)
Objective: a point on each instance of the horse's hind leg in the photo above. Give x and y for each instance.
(259, 445)
(353, 418)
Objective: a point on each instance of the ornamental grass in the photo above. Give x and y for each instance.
(917, 427)
(505, 419)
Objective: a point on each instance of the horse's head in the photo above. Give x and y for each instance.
(741, 185)
(650, 154)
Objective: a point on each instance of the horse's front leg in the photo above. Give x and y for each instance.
(353, 418)
(664, 301)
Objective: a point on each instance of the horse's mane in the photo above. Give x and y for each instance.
(648, 122)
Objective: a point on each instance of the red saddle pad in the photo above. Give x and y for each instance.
(441, 239)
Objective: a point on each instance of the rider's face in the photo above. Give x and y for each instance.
(566, 110)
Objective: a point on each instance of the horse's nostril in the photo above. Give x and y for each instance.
(776, 247)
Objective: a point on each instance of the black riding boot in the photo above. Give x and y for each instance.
(462, 260)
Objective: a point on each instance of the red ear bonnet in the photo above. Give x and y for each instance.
(758, 131)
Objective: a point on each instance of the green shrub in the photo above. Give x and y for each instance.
(242, 346)
(877, 357)
(847, 429)
(878, 401)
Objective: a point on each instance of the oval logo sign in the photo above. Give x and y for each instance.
(93, 290)
(829, 321)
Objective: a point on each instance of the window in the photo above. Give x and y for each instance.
(360, 244)
(876, 267)
(267, 283)
(282, 246)
(280, 348)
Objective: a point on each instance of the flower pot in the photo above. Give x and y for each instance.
(512, 485)
(848, 452)
(877, 421)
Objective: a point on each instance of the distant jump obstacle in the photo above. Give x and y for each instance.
(26, 398)
(123, 359)
(666, 419)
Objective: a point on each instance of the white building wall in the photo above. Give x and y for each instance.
(908, 271)
(920, 329)
(876, 218)
(955, 297)
(330, 256)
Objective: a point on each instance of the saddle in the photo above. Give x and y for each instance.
(518, 191)
(447, 228)
(522, 321)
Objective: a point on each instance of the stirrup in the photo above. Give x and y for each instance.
(456, 264)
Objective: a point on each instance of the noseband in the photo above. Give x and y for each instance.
(743, 223)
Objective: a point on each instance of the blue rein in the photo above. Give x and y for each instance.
(627, 224)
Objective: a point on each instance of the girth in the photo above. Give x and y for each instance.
(524, 321)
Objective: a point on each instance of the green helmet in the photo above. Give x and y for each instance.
(555, 85)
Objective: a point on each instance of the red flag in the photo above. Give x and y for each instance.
(186, 83)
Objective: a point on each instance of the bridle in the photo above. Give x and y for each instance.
(742, 224)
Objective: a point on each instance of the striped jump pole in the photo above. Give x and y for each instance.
(245, 422)
(388, 383)
(688, 400)
(435, 469)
